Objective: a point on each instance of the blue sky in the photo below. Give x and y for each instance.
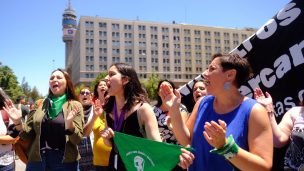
(31, 32)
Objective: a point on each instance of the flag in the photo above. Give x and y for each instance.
(140, 154)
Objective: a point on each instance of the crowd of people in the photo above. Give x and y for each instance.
(227, 130)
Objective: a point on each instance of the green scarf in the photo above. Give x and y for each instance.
(143, 154)
(56, 105)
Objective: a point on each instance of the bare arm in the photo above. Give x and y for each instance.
(259, 156)
(150, 123)
(87, 129)
(97, 111)
(181, 130)
(282, 131)
(6, 139)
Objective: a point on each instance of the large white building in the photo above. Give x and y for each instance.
(178, 52)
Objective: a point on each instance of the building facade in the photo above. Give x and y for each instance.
(178, 52)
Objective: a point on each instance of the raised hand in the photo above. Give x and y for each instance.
(14, 113)
(215, 133)
(71, 115)
(98, 110)
(265, 101)
(169, 98)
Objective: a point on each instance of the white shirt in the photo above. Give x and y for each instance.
(6, 150)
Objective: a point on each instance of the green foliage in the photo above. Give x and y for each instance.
(151, 86)
(97, 79)
(78, 89)
(34, 94)
(9, 83)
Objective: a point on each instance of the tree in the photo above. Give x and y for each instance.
(9, 83)
(97, 79)
(34, 94)
(78, 88)
(25, 87)
(151, 86)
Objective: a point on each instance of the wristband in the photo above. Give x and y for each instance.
(229, 150)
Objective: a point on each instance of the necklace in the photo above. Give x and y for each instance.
(118, 121)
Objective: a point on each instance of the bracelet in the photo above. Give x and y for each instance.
(229, 150)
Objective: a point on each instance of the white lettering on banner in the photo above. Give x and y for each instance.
(285, 16)
(282, 65)
(288, 14)
(267, 29)
(282, 107)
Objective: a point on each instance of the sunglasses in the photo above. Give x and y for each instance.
(85, 93)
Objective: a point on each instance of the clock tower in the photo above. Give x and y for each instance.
(69, 27)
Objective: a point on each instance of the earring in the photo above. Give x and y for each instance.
(227, 85)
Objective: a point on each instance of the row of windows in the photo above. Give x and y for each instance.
(143, 68)
(116, 51)
(141, 59)
(154, 44)
(90, 33)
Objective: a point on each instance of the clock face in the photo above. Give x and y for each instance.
(70, 31)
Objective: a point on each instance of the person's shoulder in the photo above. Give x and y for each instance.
(145, 105)
(296, 111)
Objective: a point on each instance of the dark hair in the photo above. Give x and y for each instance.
(19, 98)
(96, 87)
(196, 81)
(234, 61)
(70, 91)
(3, 97)
(133, 92)
(159, 100)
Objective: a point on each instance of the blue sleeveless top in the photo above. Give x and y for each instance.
(237, 125)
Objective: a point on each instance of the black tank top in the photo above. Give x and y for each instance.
(129, 126)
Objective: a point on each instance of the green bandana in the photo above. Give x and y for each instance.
(147, 155)
(56, 105)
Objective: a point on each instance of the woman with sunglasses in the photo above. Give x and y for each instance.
(54, 126)
(85, 146)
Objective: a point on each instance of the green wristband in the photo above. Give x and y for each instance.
(229, 150)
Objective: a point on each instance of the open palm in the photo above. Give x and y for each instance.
(169, 98)
(265, 101)
(14, 113)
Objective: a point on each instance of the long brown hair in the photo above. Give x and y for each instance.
(70, 90)
(133, 91)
